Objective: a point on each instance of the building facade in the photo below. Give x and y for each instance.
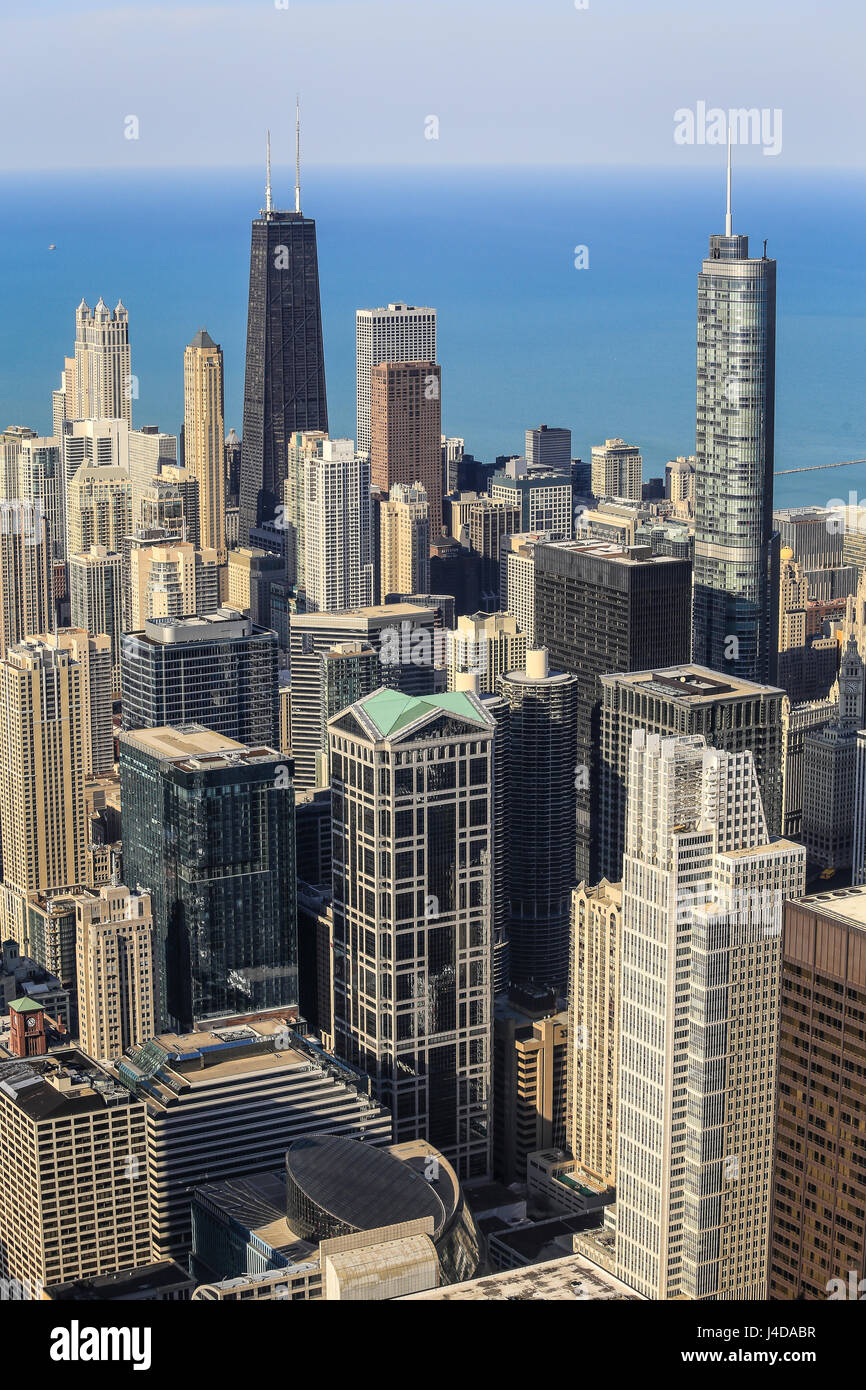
(703, 891)
(411, 785)
(736, 561)
(216, 669)
(204, 436)
(284, 381)
(393, 333)
(209, 833)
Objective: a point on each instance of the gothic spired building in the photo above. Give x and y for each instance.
(736, 559)
(284, 385)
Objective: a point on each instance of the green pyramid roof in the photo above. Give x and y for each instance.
(26, 1006)
(391, 711)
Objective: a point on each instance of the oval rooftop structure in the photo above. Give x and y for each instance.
(337, 1186)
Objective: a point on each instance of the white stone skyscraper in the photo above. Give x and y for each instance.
(703, 889)
(394, 333)
(97, 380)
(338, 570)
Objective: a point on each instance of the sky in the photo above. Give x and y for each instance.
(508, 81)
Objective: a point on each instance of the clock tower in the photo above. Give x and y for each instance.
(28, 1028)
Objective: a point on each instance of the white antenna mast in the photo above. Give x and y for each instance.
(729, 221)
(297, 153)
(268, 184)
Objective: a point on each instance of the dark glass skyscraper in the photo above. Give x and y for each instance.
(216, 669)
(541, 817)
(209, 827)
(736, 557)
(284, 384)
(601, 608)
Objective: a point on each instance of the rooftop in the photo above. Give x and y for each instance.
(846, 904)
(360, 1186)
(195, 748)
(691, 684)
(59, 1085)
(631, 555)
(137, 1283)
(175, 1065)
(571, 1279)
(223, 623)
(389, 711)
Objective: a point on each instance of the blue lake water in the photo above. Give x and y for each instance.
(524, 337)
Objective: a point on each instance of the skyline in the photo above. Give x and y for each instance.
(597, 379)
(433, 664)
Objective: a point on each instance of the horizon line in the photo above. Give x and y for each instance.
(254, 165)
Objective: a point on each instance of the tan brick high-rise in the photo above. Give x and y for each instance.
(114, 949)
(204, 435)
(42, 764)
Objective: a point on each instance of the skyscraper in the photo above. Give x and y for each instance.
(41, 776)
(209, 833)
(731, 713)
(541, 782)
(412, 791)
(617, 470)
(149, 451)
(95, 600)
(217, 669)
(703, 890)
(284, 383)
(170, 581)
(170, 503)
(204, 435)
(489, 523)
(40, 482)
(338, 569)
(818, 1245)
(393, 333)
(61, 1116)
(114, 946)
(488, 645)
(736, 559)
(602, 608)
(97, 383)
(404, 541)
(406, 430)
(25, 573)
(517, 580)
(99, 508)
(403, 637)
(593, 1027)
(93, 655)
(549, 447)
(545, 497)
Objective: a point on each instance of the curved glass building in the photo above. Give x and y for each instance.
(336, 1186)
(736, 558)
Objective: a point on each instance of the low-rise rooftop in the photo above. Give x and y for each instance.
(573, 1278)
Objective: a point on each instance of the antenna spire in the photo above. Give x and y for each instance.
(268, 183)
(729, 221)
(297, 153)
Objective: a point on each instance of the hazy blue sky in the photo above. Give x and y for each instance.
(511, 83)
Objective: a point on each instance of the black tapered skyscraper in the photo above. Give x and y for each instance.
(284, 384)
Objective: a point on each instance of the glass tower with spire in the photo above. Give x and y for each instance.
(284, 383)
(736, 563)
